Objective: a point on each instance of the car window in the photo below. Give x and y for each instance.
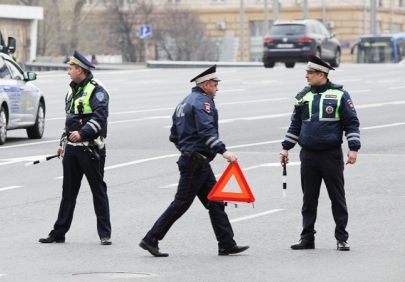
(4, 72)
(323, 29)
(317, 29)
(14, 70)
(311, 28)
(287, 29)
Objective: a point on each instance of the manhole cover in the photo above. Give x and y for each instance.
(116, 274)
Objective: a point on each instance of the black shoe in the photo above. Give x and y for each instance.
(51, 239)
(152, 250)
(303, 244)
(233, 250)
(343, 246)
(105, 241)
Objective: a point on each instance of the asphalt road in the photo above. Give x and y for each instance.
(254, 109)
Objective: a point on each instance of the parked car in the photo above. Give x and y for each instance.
(291, 41)
(22, 104)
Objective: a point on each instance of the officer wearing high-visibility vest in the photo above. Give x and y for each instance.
(83, 150)
(323, 111)
(195, 134)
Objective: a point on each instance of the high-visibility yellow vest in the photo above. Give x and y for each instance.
(86, 91)
(329, 109)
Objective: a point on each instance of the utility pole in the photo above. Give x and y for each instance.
(373, 20)
(276, 9)
(266, 18)
(242, 31)
(305, 9)
(323, 12)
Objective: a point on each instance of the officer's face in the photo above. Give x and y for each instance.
(211, 88)
(315, 78)
(74, 73)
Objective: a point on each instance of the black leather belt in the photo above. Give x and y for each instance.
(196, 156)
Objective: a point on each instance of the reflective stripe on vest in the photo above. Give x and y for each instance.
(330, 94)
(85, 96)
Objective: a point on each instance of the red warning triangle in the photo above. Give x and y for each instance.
(217, 193)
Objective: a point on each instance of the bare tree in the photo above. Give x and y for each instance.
(180, 35)
(123, 23)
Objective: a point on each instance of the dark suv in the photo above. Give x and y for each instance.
(291, 41)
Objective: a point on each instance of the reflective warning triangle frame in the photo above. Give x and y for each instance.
(217, 193)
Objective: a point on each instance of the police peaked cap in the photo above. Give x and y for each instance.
(208, 74)
(80, 60)
(316, 64)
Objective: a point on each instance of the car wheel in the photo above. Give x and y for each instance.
(3, 126)
(269, 64)
(336, 61)
(36, 131)
(289, 65)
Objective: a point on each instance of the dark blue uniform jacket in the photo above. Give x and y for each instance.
(93, 125)
(313, 134)
(195, 125)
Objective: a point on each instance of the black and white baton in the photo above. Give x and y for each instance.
(284, 180)
(42, 160)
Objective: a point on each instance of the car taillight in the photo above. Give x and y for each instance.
(304, 39)
(268, 40)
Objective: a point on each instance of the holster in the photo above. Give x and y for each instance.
(197, 160)
(92, 150)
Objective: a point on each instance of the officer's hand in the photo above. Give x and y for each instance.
(59, 151)
(284, 157)
(351, 157)
(231, 157)
(75, 136)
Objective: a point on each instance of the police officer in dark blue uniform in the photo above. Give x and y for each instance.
(195, 134)
(323, 111)
(82, 148)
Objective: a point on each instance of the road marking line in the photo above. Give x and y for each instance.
(360, 91)
(28, 144)
(397, 87)
(379, 104)
(382, 126)
(255, 215)
(10, 187)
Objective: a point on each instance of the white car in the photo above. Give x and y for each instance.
(22, 104)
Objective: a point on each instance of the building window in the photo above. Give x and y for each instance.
(401, 3)
(88, 2)
(173, 1)
(218, 1)
(396, 27)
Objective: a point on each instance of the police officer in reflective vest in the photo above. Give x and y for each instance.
(195, 134)
(323, 111)
(82, 148)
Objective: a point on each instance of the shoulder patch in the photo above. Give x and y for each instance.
(350, 103)
(207, 107)
(100, 96)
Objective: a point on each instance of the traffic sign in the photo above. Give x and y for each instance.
(145, 31)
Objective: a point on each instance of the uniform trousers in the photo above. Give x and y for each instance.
(315, 166)
(193, 182)
(77, 162)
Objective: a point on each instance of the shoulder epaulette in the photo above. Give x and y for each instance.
(302, 92)
(336, 86)
(92, 81)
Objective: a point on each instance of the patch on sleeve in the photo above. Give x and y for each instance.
(207, 107)
(100, 96)
(350, 103)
